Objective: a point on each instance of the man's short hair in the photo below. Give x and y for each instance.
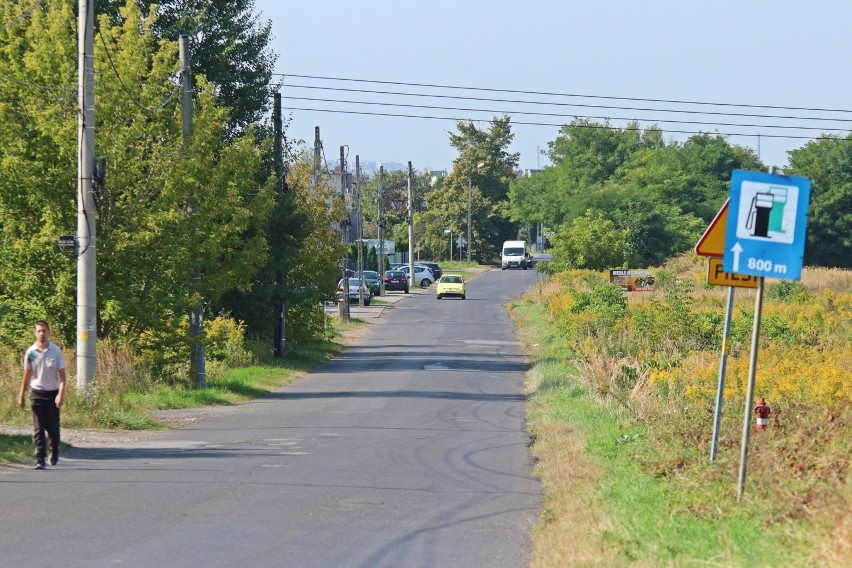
(42, 322)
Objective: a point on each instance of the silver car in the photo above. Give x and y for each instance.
(354, 290)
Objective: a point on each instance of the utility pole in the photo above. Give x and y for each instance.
(317, 151)
(86, 234)
(281, 316)
(360, 232)
(196, 311)
(469, 202)
(381, 230)
(344, 233)
(410, 230)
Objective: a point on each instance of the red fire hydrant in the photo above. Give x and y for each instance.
(762, 411)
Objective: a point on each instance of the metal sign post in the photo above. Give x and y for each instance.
(752, 371)
(720, 389)
(764, 236)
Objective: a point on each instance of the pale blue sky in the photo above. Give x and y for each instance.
(783, 53)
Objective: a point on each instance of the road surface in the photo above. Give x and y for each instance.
(407, 450)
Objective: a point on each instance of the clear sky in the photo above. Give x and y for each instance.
(780, 53)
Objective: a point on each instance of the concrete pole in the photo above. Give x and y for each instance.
(344, 305)
(86, 233)
(360, 232)
(381, 230)
(410, 230)
(196, 312)
(469, 198)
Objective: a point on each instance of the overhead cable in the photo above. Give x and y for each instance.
(581, 105)
(594, 126)
(512, 113)
(554, 94)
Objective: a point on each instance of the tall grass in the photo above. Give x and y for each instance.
(653, 362)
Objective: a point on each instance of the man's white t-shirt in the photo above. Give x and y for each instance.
(45, 365)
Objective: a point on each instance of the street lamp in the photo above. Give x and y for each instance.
(450, 231)
(469, 187)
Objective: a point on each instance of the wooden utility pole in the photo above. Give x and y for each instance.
(196, 312)
(281, 309)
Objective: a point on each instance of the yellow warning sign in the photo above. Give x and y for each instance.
(718, 277)
(712, 242)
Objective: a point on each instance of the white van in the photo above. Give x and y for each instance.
(514, 255)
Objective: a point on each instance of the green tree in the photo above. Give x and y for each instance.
(372, 259)
(827, 161)
(152, 237)
(591, 242)
(229, 45)
(38, 155)
(483, 170)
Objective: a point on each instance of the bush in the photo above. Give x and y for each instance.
(788, 291)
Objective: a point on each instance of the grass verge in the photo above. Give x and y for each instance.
(604, 507)
(132, 410)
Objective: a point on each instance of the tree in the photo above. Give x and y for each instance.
(229, 46)
(483, 170)
(591, 242)
(152, 239)
(827, 161)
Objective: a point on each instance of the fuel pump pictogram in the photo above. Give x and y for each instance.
(759, 214)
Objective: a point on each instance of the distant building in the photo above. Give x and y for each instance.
(435, 176)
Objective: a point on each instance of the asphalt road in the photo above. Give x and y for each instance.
(407, 450)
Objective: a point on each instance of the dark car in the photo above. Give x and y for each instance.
(371, 279)
(433, 266)
(396, 280)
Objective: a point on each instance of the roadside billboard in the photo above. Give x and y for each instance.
(633, 280)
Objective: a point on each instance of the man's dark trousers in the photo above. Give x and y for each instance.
(45, 418)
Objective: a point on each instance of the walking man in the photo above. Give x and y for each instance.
(44, 372)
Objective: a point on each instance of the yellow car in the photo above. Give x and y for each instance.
(451, 285)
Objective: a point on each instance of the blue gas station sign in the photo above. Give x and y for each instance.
(767, 218)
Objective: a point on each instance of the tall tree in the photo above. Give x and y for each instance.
(229, 45)
(484, 169)
(150, 241)
(827, 161)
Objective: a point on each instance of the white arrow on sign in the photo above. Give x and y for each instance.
(737, 249)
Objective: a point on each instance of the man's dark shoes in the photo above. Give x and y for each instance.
(40, 465)
(54, 457)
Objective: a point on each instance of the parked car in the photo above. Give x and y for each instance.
(434, 267)
(354, 291)
(422, 275)
(451, 285)
(396, 280)
(371, 279)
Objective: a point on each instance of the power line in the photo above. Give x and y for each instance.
(544, 93)
(22, 17)
(175, 88)
(581, 105)
(509, 112)
(595, 126)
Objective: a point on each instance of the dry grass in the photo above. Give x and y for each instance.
(571, 525)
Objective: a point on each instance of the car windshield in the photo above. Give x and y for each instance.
(451, 280)
(513, 252)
